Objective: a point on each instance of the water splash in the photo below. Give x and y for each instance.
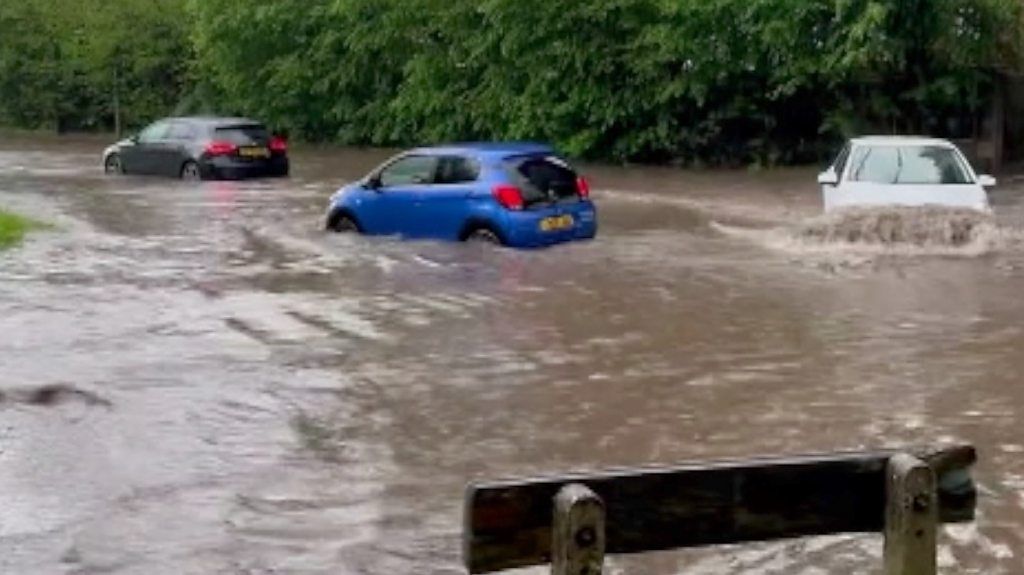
(927, 227)
(888, 231)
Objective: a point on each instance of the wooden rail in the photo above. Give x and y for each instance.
(572, 521)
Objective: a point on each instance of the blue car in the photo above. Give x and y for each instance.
(519, 195)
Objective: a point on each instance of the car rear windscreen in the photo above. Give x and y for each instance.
(544, 179)
(243, 135)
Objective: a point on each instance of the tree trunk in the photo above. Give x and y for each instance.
(117, 101)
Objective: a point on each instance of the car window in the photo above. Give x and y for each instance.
(155, 132)
(544, 178)
(908, 165)
(456, 170)
(181, 132)
(409, 170)
(932, 165)
(243, 135)
(841, 160)
(874, 164)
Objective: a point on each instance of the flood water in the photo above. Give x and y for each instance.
(197, 379)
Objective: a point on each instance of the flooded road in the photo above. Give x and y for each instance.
(196, 379)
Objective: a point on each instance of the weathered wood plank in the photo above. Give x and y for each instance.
(579, 532)
(508, 524)
(911, 518)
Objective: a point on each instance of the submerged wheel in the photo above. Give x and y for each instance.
(342, 223)
(483, 236)
(190, 172)
(112, 165)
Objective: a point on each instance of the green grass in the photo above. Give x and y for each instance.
(13, 228)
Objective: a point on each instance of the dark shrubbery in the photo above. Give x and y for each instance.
(715, 81)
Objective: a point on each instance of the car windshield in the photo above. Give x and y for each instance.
(243, 135)
(918, 165)
(544, 178)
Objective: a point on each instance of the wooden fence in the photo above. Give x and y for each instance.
(573, 521)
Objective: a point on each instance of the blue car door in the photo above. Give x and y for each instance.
(444, 206)
(392, 203)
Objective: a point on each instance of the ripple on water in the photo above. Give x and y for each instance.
(52, 396)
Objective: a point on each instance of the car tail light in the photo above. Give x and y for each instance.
(510, 197)
(221, 148)
(278, 145)
(583, 187)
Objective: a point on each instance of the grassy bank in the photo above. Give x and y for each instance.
(13, 228)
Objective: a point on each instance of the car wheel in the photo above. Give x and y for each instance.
(112, 165)
(190, 172)
(343, 224)
(483, 236)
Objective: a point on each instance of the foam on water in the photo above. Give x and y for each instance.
(888, 231)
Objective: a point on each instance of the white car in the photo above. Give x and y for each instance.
(903, 171)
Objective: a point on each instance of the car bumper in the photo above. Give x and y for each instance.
(526, 229)
(234, 169)
(966, 196)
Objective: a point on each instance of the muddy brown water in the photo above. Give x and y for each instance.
(230, 390)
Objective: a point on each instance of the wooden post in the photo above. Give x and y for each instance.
(578, 537)
(911, 517)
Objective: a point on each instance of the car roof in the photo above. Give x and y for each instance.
(215, 121)
(901, 141)
(488, 149)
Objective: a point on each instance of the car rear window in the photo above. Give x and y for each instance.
(544, 178)
(243, 135)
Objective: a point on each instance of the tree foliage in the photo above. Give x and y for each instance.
(695, 80)
(67, 64)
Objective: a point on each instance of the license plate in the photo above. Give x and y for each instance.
(556, 223)
(254, 152)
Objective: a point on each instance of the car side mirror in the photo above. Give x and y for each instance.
(373, 183)
(986, 181)
(828, 177)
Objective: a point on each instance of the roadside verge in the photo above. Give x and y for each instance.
(14, 227)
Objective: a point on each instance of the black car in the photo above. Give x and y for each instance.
(200, 149)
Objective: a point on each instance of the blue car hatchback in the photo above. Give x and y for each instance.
(519, 195)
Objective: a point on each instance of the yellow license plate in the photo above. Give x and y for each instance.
(556, 223)
(253, 152)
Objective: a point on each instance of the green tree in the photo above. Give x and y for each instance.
(719, 81)
(81, 64)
